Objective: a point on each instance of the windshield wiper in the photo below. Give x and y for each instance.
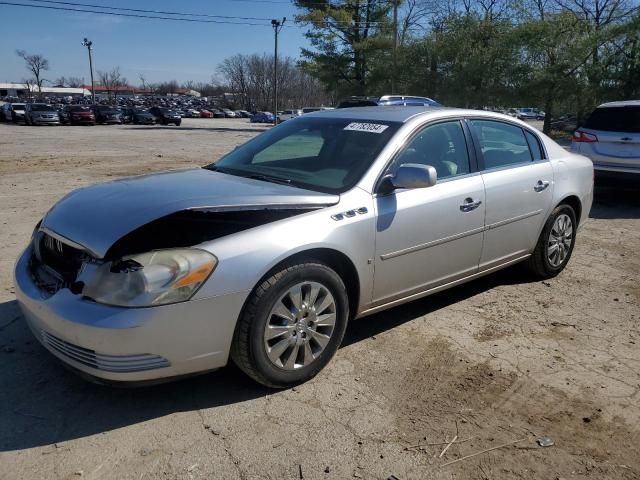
(269, 178)
(254, 176)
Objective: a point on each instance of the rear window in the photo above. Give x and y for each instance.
(615, 119)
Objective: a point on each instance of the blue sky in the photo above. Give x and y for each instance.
(161, 50)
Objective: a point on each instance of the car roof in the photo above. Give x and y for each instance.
(404, 114)
(623, 103)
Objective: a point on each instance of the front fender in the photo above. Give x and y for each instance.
(245, 257)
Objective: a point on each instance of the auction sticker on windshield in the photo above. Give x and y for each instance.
(366, 127)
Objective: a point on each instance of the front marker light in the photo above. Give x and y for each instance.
(153, 278)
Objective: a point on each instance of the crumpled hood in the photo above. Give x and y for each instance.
(97, 216)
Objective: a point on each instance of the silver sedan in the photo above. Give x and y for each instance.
(266, 255)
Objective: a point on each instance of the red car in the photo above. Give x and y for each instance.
(78, 114)
(206, 114)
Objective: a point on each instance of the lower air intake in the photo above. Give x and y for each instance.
(107, 363)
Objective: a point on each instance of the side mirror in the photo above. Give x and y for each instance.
(410, 175)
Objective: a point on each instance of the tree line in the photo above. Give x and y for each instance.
(558, 55)
(251, 79)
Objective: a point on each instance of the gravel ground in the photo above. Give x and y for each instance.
(500, 359)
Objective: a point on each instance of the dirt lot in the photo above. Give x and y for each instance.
(501, 359)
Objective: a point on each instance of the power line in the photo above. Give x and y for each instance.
(154, 16)
(118, 14)
(159, 12)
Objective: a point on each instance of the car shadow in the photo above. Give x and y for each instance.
(616, 196)
(44, 403)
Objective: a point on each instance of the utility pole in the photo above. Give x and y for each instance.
(277, 26)
(395, 44)
(89, 44)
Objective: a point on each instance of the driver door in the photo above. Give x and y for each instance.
(426, 237)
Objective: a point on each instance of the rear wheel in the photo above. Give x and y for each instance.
(556, 242)
(292, 325)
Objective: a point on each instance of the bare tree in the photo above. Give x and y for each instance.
(143, 81)
(36, 64)
(29, 84)
(75, 82)
(250, 79)
(112, 81)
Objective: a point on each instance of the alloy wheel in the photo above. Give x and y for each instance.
(300, 325)
(560, 240)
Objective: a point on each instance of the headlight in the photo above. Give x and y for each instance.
(152, 278)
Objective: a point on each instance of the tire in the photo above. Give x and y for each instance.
(543, 262)
(249, 349)
(178, 124)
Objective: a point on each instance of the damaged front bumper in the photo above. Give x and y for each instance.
(129, 344)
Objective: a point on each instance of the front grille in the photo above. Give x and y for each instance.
(100, 361)
(65, 260)
(54, 264)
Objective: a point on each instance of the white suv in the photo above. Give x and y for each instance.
(611, 137)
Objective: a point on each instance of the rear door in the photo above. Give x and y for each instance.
(518, 180)
(614, 141)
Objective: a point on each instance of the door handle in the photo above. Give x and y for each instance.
(541, 185)
(470, 204)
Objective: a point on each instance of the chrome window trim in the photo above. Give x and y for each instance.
(415, 129)
(471, 118)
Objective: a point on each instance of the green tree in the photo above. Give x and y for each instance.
(346, 36)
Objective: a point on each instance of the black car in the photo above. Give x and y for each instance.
(165, 116)
(107, 114)
(126, 115)
(140, 116)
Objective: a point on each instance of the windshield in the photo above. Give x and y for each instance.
(323, 154)
(18, 106)
(79, 109)
(615, 119)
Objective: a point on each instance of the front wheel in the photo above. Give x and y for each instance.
(291, 325)
(556, 242)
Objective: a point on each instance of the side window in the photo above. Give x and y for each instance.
(442, 146)
(306, 143)
(534, 145)
(502, 144)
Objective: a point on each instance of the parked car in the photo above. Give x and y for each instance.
(78, 114)
(165, 116)
(228, 113)
(288, 115)
(206, 114)
(141, 116)
(126, 115)
(528, 113)
(262, 117)
(315, 109)
(41, 114)
(218, 113)
(242, 114)
(611, 137)
(401, 100)
(193, 114)
(12, 112)
(107, 114)
(266, 255)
